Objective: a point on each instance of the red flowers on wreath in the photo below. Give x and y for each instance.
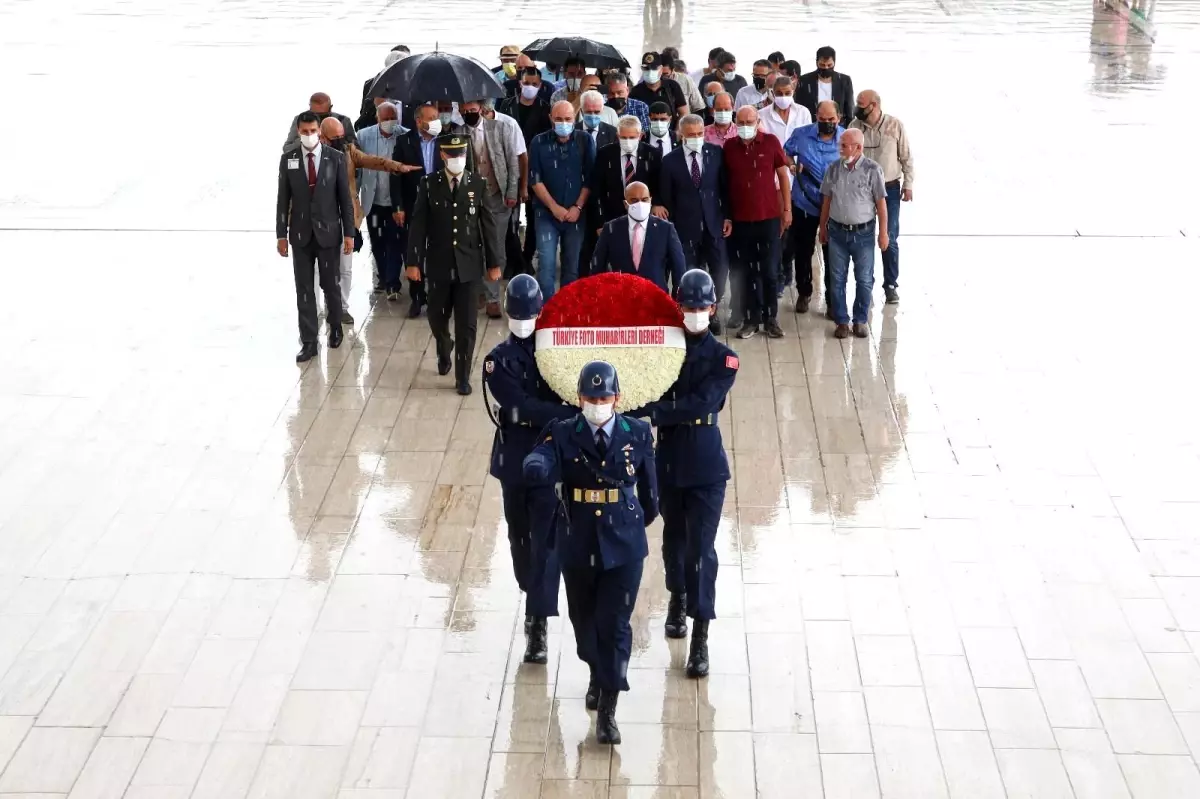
(613, 299)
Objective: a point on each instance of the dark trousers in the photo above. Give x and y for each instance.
(534, 561)
(389, 244)
(690, 520)
(804, 241)
(588, 249)
(787, 256)
(754, 263)
(707, 254)
(891, 256)
(448, 297)
(326, 261)
(600, 603)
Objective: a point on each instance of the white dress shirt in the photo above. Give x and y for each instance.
(687, 161)
(316, 152)
(770, 121)
(666, 143)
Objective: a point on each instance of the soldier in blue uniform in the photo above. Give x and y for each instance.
(602, 463)
(523, 404)
(692, 468)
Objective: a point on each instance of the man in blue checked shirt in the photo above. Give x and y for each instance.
(812, 149)
(560, 160)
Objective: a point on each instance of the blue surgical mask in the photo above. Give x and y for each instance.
(591, 121)
(710, 99)
(563, 129)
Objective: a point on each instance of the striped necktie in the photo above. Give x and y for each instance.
(628, 169)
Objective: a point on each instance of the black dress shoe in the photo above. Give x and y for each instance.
(335, 337)
(464, 388)
(307, 353)
(676, 624)
(414, 310)
(606, 719)
(535, 642)
(697, 665)
(591, 700)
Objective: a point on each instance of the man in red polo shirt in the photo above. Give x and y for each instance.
(760, 201)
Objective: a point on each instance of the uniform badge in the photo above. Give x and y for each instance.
(489, 366)
(629, 468)
(627, 448)
(470, 195)
(731, 362)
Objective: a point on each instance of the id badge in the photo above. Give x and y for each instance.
(293, 163)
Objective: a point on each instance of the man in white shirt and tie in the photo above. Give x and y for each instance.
(660, 136)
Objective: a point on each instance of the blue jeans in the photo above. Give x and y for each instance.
(858, 244)
(891, 256)
(551, 234)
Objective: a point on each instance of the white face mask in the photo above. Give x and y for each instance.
(696, 321)
(651, 75)
(849, 161)
(723, 117)
(522, 328)
(456, 165)
(309, 140)
(659, 127)
(746, 132)
(387, 126)
(597, 414)
(628, 146)
(573, 84)
(731, 75)
(695, 144)
(529, 91)
(783, 102)
(639, 212)
(435, 127)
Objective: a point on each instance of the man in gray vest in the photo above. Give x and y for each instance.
(853, 195)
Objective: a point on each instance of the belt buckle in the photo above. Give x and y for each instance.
(593, 495)
(613, 495)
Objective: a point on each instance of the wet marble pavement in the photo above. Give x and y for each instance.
(959, 559)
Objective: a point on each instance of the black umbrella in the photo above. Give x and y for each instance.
(430, 77)
(558, 49)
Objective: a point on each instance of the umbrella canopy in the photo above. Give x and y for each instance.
(432, 77)
(558, 49)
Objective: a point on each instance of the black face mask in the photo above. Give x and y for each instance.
(324, 115)
(471, 118)
(825, 72)
(338, 144)
(616, 103)
(759, 82)
(827, 128)
(862, 113)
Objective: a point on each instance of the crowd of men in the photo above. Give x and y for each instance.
(581, 169)
(700, 183)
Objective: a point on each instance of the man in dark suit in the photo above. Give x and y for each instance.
(315, 213)
(827, 84)
(660, 136)
(694, 190)
(417, 147)
(368, 113)
(591, 109)
(640, 244)
(617, 165)
(450, 238)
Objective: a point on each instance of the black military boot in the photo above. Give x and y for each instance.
(535, 641)
(676, 624)
(591, 699)
(697, 665)
(606, 719)
(528, 623)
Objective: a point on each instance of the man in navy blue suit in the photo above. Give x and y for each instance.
(694, 190)
(640, 244)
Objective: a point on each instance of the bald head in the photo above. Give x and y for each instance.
(850, 146)
(747, 115)
(331, 128)
(724, 101)
(385, 110)
(827, 110)
(320, 103)
(637, 192)
(524, 61)
(562, 112)
(869, 106)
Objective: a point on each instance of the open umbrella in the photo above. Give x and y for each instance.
(430, 77)
(558, 49)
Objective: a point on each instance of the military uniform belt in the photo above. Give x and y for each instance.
(702, 421)
(518, 424)
(602, 496)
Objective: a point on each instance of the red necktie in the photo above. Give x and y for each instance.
(628, 168)
(695, 171)
(312, 172)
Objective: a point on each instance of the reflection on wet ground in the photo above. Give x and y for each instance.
(959, 559)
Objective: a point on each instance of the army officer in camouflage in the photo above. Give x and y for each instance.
(450, 233)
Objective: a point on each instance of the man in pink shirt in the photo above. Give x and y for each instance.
(722, 129)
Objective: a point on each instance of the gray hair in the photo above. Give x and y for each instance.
(387, 104)
(488, 103)
(629, 121)
(781, 82)
(691, 119)
(591, 95)
(618, 77)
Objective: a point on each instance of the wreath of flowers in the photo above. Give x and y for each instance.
(612, 300)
